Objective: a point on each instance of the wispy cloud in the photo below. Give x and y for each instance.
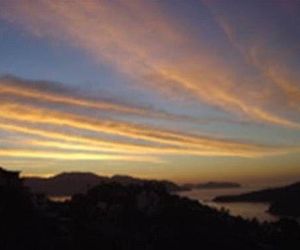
(139, 139)
(271, 45)
(36, 90)
(138, 38)
(73, 156)
(56, 93)
(29, 111)
(144, 42)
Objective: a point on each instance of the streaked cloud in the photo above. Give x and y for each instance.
(218, 84)
(157, 46)
(55, 93)
(35, 90)
(27, 116)
(16, 112)
(272, 47)
(40, 154)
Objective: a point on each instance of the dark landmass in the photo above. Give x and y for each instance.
(67, 184)
(114, 216)
(126, 214)
(212, 185)
(64, 184)
(284, 201)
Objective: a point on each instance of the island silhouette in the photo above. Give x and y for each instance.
(212, 185)
(284, 201)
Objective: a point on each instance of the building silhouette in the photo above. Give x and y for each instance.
(10, 178)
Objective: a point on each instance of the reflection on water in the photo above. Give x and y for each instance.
(247, 210)
(59, 198)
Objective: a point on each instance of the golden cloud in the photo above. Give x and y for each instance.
(138, 38)
(159, 141)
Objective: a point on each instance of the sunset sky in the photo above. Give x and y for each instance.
(192, 90)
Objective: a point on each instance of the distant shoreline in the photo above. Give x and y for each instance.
(284, 201)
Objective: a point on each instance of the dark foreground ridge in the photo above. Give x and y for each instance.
(284, 201)
(120, 217)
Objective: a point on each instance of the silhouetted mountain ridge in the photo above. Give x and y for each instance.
(70, 183)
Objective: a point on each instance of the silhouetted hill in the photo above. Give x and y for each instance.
(284, 200)
(66, 184)
(123, 216)
(128, 180)
(212, 185)
(113, 216)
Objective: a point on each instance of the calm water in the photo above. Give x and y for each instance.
(247, 210)
(59, 198)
